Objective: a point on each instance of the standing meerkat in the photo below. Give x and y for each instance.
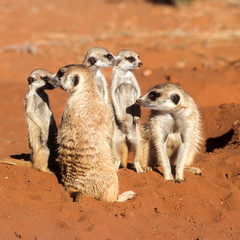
(42, 129)
(173, 129)
(98, 58)
(85, 154)
(124, 92)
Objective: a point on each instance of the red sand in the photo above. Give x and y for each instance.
(197, 46)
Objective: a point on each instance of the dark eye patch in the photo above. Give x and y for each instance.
(45, 78)
(175, 98)
(30, 80)
(60, 73)
(109, 56)
(92, 60)
(154, 95)
(131, 59)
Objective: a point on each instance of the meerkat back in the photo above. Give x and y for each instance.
(84, 143)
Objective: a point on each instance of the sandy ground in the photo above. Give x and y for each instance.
(197, 46)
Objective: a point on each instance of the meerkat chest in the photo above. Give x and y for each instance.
(166, 124)
(127, 81)
(127, 78)
(42, 108)
(100, 82)
(99, 77)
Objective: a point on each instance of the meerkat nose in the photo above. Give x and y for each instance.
(138, 101)
(117, 60)
(140, 64)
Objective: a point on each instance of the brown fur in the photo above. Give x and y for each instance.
(85, 138)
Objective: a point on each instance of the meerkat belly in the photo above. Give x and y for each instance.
(100, 85)
(34, 134)
(172, 145)
(127, 98)
(45, 113)
(173, 140)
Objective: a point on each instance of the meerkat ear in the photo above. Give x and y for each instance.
(92, 60)
(175, 98)
(63, 70)
(30, 80)
(75, 80)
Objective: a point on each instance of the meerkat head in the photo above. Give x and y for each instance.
(40, 79)
(128, 60)
(164, 97)
(99, 57)
(72, 77)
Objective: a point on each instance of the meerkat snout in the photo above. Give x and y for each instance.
(140, 64)
(117, 60)
(138, 101)
(92, 61)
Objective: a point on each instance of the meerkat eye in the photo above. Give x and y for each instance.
(30, 80)
(92, 60)
(109, 56)
(175, 98)
(154, 95)
(45, 78)
(75, 80)
(131, 59)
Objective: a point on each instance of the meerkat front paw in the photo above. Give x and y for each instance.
(179, 180)
(169, 179)
(117, 165)
(148, 169)
(138, 168)
(120, 120)
(136, 119)
(46, 170)
(194, 170)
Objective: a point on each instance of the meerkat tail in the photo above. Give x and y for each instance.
(15, 162)
(126, 196)
(194, 170)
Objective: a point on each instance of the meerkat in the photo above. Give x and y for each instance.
(98, 58)
(125, 91)
(86, 159)
(42, 129)
(173, 129)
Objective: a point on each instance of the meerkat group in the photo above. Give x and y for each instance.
(96, 135)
